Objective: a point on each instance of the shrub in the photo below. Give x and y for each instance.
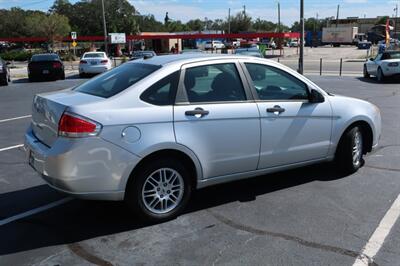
(16, 55)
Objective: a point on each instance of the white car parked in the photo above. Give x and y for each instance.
(214, 45)
(384, 65)
(94, 63)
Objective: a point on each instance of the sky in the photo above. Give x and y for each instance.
(185, 10)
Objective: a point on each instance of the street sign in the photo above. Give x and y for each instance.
(117, 38)
(73, 35)
(74, 43)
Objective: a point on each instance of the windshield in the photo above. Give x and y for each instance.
(117, 80)
(94, 55)
(44, 57)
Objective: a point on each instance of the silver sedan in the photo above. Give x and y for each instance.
(151, 131)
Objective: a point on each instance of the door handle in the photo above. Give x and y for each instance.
(197, 111)
(276, 109)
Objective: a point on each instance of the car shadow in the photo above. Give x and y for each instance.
(80, 220)
(394, 80)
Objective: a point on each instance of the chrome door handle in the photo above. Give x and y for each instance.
(197, 111)
(276, 109)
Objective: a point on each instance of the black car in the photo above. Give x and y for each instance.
(5, 76)
(45, 66)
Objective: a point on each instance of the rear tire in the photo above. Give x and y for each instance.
(159, 190)
(365, 72)
(81, 75)
(349, 154)
(62, 76)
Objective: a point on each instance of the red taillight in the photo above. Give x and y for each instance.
(56, 65)
(104, 61)
(72, 125)
(83, 62)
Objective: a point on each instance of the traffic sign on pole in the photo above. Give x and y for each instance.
(73, 35)
(74, 43)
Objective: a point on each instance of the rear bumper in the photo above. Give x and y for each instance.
(87, 168)
(53, 73)
(95, 69)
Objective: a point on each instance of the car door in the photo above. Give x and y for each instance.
(293, 130)
(372, 65)
(216, 117)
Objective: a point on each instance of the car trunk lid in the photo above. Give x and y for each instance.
(48, 108)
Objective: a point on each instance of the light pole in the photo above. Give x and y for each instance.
(229, 20)
(105, 27)
(395, 21)
(301, 56)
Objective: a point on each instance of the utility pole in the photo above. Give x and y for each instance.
(301, 57)
(337, 15)
(279, 16)
(395, 21)
(279, 29)
(244, 9)
(229, 20)
(105, 27)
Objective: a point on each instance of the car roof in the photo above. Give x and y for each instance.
(187, 58)
(95, 52)
(45, 54)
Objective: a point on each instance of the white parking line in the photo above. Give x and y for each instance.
(34, 211)
(15, 118)
(12, 147)
(378, 237)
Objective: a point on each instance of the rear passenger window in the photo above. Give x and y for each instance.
(162, 92)
(214, 83)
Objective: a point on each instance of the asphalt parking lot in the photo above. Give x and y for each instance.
(307, 216)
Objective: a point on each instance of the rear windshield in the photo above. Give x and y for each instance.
(44, 57)
(117, 79)
(94, 55)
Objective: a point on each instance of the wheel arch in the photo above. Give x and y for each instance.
(367, 134)
(188, 158)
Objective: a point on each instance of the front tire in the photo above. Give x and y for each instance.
(380, 77)
(349, 154)
(365, 72)
(159, 190)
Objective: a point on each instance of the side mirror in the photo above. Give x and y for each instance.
(371, 59)
(316, 97)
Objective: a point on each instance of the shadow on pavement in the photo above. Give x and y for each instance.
(373, 80)
(80, 220)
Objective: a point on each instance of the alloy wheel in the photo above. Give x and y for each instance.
(163, 190)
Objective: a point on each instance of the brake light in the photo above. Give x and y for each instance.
(75, 126)
(83, 62)
(393, 64)
(56, 65)
(104, 61)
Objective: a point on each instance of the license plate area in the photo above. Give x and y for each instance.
(45, 71)
(93, 63)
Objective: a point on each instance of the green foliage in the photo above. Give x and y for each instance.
(241, 22)
(310, 24)
(53, 26)
(16, 55)
(382, 20)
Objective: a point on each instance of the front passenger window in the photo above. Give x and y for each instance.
(272, 83)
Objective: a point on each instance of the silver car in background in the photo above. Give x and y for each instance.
(151, 131)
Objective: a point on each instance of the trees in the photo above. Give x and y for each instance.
(241, 22)
(52, 26)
